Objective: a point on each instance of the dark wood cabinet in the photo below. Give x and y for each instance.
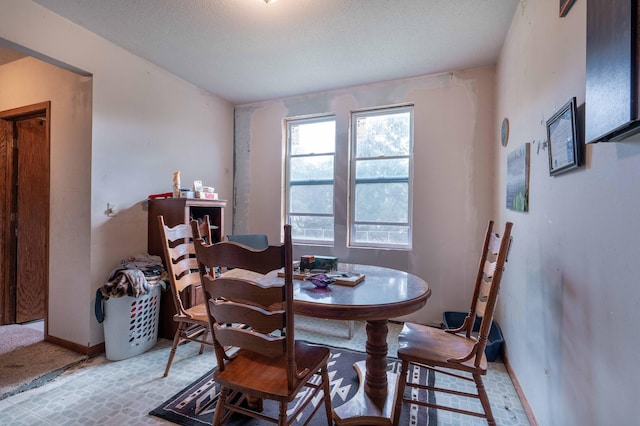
(176, 211)
(611, 98)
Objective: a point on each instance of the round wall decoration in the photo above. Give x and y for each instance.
(504, 132)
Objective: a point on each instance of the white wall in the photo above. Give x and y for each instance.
(570, 298)
(29, 81)
(146, 124)
(454, 175)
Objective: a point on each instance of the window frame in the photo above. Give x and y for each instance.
(288, 183)
(353, 181)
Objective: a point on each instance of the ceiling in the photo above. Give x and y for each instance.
(247, 51)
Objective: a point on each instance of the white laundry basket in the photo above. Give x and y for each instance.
(131, 324)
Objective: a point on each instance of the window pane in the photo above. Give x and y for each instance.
(313, 137)
(383, 134)
(395, 167)
(382, 202)
(312, 168)
(317, 199)
(381, 234)
(311, 228)
(310, 175)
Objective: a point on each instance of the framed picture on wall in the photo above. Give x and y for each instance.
(518, 179)
(562, 137)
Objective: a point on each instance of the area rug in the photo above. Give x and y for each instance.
(194, 405)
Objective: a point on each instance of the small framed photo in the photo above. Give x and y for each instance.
(562, 137)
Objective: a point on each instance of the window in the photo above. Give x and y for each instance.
(381, 184)
(311, 145)
(375, 180)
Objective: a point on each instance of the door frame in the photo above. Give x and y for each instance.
(7, 195)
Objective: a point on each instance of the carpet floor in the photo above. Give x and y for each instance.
(195, 405)
(27, 361)
(15, 336)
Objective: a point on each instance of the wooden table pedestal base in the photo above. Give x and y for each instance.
(364, 410)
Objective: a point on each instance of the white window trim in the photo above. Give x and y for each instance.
(288, 156)
(352, 181)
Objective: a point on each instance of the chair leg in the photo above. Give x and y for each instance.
(282, 416)
(205, 334)
(484, 399)
(255, 403)
(176, 340)
(219, 412)
(327, 395)
(402, 382)
(350, 329)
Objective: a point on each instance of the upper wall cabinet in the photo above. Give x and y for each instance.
(611, 100)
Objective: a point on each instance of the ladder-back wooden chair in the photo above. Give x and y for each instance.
(457, 349)
(184, 279)
(256, 319)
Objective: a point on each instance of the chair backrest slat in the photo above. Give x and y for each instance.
(483, 298)
(259, 319)
(269, 345)
(180, 232)
(184, 250)
(233, 255)
(488, 270)
(185, 281)
(246, 290)
(494, 244)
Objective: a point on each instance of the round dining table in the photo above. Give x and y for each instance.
(383, 294)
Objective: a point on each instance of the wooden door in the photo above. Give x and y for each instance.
(24, 213)
(7, 239)
(32, 215)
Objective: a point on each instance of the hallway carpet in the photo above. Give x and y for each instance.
(27, 361)
(15, 336)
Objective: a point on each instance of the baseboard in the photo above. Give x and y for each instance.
(523, 399)
(85, 350)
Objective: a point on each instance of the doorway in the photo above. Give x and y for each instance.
(24, 213)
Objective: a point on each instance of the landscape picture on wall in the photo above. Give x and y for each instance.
(518, 179)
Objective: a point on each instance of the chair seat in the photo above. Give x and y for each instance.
(196, 313)
(433, 346)
(265, 377)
